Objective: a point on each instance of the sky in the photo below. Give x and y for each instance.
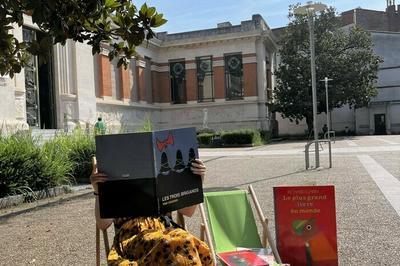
(189, 15)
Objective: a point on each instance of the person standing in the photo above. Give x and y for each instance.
(99, 127)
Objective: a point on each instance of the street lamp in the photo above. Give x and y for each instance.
(328, 118)
(310, 9)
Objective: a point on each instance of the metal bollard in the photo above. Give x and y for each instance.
(307, 152)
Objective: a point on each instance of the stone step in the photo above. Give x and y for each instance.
(43, 135)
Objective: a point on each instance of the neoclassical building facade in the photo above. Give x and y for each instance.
(220, 78)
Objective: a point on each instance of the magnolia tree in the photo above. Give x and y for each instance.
(118, 23)
(344, 55)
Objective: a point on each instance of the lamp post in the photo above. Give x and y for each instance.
(328, 117)
(310, 9)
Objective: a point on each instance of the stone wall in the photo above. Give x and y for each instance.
(220, 116)
(126, 118)
(341, 118)
(12, 106)
(395, 118)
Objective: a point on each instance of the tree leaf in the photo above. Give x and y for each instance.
(82, 21)
(151, 11)
(112, 4)
(143, 9)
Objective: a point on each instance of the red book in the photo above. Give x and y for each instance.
(305, 222)
(242, 258)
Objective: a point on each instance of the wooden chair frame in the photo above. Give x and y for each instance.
(266, 238)
(106, 244)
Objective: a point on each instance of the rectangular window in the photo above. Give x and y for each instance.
(205, 79)
(233, 76)
(178, 81)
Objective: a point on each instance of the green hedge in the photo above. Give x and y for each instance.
(205, 138)
(25, 167)
(241, 137)
(235, 137)
(78, 148)
(266, 135)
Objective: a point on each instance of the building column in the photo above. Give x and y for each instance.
(85, 84)
(261, 79)
(66, 83)
(134, 79)
(261, 69)
(371, 121)
(148, 81)
(141, 79)
(388, 118)
(14, 86)
(274, 65)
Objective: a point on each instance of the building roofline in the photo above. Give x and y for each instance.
(218, 38)
(385, 32)
(192, 31)
(279, 28)
(256, 22)
(365, 9)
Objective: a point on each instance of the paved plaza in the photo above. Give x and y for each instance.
(366, 175)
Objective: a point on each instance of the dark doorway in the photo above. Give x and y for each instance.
(46, 91)
(40, 107)
(380, 124)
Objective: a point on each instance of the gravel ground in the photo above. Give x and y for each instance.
(368, 227)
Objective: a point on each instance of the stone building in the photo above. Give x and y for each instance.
(218, 78)
(221, 78)
(382, 116)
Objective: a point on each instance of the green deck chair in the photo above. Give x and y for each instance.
(230, 222)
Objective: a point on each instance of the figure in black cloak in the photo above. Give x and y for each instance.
(179, 164)
(192, 157)
(164, 169)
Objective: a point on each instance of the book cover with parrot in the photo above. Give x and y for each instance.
(305, 220)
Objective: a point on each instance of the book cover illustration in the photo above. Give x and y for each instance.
(264, 253)
(148, 173)
(174, 153)
(242, 258)
(305, 222)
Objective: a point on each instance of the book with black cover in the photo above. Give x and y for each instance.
(148, 173)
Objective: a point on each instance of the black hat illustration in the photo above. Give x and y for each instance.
(179, 164)
(192, 157)
(164, 169)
